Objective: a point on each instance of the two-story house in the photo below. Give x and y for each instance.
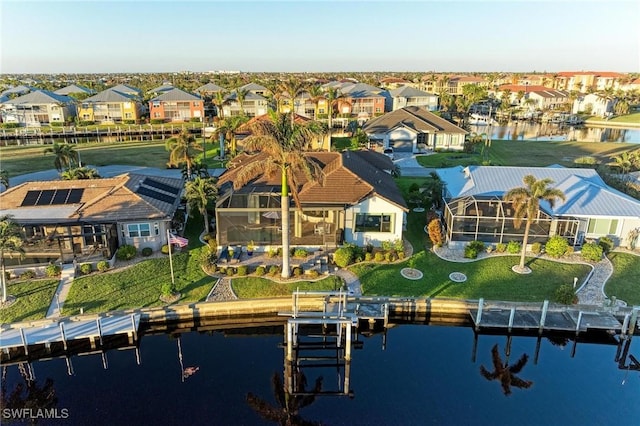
(110, 106)
(38, 107)
(405, 96)
(176, 105)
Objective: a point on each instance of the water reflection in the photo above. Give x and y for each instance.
(27, 394)
(506, 373)
(287, 410)
(532, 131)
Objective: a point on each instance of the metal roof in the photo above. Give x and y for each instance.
(176, 94)
(39, 97)
(410, 92)
(586, 193)
(73, 88)
(110, 95)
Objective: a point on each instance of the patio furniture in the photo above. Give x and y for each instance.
(236, 254)
(224, 255)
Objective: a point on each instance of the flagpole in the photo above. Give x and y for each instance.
(173, 283)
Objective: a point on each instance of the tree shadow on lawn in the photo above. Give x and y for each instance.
(93, 306)
(190, 289)
(441, 288)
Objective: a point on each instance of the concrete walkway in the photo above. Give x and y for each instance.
(408, 165)
(66, 279)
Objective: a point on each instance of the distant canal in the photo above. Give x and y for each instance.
(424, 375)
(523, 130)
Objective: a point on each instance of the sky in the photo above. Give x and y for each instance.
(319, 36)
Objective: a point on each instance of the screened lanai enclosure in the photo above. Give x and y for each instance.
(490, 219)
(255, 216)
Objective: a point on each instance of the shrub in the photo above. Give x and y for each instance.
(167, 289)
(126, 252)
(194, 119)
(368, 256)
(388, 256)
(473, 248)
(398, 245)
(587, 160)
(86, 123)
(9, 125)
(230, 272)
(386, 245)
(556, 246)
(501, 247)
(297, 271)
(379, 256)
(222, 271)
(400, 254)
(313, 273)
(569, 251)
(52, 270)
(513, 247)
(157, 121)
(243, 270)
(128, 121)
(260, 270)
(592, 251)
(300, 252)
(147, 251)
(86, 268)
(565, 295)
(606, 243)
(536, 248)
(208, 256)
(274, 270)
(273, 252)
(344, 256)
(164, 249)
(56, 124)
(28, 274)
(103, 265)
(435, 232)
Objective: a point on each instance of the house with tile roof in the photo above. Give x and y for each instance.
(357, 202)
(38, 107)
(90, 219)
(110, 106)
(405, 96)
(474, 209)
(176, 105)
(412, 129)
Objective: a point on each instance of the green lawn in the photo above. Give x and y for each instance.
(33, 300)
(491, 279)
(254, 287)
(139, 285)
(531, 153)
(625, 281)
(17, 160)
(630, 118)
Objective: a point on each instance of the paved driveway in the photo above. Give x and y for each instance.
(409, 166)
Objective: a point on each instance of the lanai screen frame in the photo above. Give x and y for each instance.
(474, 223)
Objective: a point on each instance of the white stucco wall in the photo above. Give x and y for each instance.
(373, 205)
(154, 241)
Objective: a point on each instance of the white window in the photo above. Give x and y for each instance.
(138, 230)
(374, 222)
(602, 226)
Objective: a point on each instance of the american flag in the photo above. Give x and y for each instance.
(177, 240)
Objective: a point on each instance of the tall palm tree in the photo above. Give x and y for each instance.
(10, 241)
(219, 101)
(182, 150)
(526, 205)
(287, 412)
(4, 178)
(241, 94)
(228, 128)
(293, 89)
(505, 373)
(66, 155)
(284, 142)
(28, 395)
(334, 97)
(200, 193)
(315, 94)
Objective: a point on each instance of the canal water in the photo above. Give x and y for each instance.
(415, 375)
(524, 130)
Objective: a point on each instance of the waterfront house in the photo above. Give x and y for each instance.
(474, 209)
(90, 219)
(357, 202)
(176, 105)
(128, 90)
(252, 105)
(74, 89)
(412, 129)
(38, 107)
(594, 104)
(405, 96)
(110, 106)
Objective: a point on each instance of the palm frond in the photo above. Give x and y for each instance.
(517, 367)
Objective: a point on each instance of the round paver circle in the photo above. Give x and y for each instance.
(457, 277)
(411, 274)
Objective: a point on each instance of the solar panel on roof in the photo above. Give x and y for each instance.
(156, 195)
(31, 198)
(60, 197)
(161, 186)
(75, 195)
(45, 197)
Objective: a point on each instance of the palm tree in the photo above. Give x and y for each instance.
(288, 410)
(334, 97)
(79, 173)
(28, 395)
(293, 89)
(66, 155)
(241, 94)
(4, 178)
(181, 150)
(219, 101)
(315, 94)
(505, 373)
(526, 206)
(284, 143)
(10, 241)
(200, 192)
(228, 128)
